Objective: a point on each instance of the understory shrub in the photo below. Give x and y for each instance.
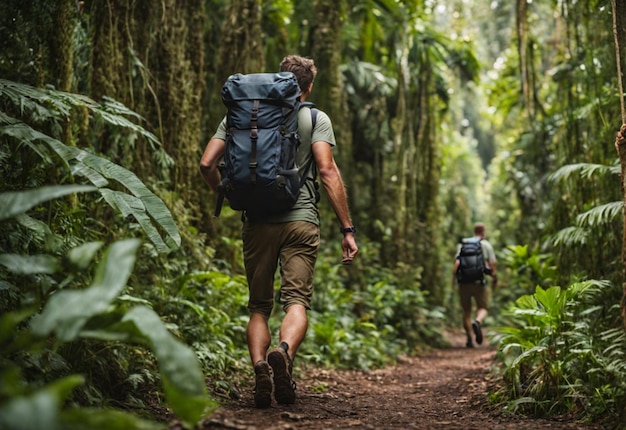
(562, 353)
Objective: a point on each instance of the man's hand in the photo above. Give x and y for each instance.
(350, 249)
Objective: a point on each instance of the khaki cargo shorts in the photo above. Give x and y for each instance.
(294, 247)
(476, 290)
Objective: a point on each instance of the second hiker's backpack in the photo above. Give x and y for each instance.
(259, 171)
(472, 265)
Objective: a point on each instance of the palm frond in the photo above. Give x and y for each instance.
(584, 170)
(569, 236)
(601, 215)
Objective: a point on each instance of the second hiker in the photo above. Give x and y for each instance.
(474, 259)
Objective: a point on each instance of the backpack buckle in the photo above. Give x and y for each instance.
(252, 166)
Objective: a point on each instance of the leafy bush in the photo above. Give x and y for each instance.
(209, 311)
(367, 326)
(561, 355)
(68, 339)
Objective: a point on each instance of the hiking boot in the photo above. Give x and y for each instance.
(478, 332)
(469, 343)
(262, 385)
(282, 366)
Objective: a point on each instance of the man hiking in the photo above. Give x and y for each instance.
(290, 238)
(474, 259)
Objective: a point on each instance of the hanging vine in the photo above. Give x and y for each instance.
(619, 33)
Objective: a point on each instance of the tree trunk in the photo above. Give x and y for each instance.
(241, 49)
(324, 46)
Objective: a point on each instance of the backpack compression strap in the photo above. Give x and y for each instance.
(254, 137)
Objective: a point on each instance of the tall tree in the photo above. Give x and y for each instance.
(151, 58)
(241, 49)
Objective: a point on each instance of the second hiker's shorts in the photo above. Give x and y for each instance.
(476, 290)
(295, 245)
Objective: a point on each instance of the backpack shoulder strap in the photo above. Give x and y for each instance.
(309, 164)
(314, 112)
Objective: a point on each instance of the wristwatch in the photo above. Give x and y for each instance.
(351, 229)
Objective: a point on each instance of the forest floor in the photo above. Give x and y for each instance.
(442, 389)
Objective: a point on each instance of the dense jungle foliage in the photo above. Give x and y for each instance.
(123, 300)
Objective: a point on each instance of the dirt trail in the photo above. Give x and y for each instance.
(445, 389)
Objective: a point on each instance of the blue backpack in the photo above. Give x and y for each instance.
(259, 171)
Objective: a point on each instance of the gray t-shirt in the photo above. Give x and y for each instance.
(305, 208)
(487, 248)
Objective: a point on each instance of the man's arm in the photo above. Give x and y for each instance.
(213, 153)
(457, 263)
(336, 192)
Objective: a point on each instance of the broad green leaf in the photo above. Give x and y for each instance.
(526, 302)
(82, 255)
(570, 236)
(40, 228)
(150, 204)
(553, 300)
(105, 419)
(40, 410)
(98, 170)
(520, 401)
(67, 311)
(17, 202)
(93, 176)
(182, 376)
(29, 264)
(131, 206)
(111, 111)
(533, 312)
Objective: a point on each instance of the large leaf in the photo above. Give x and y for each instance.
(99, 171)
(29, 264)
(40, 410)
(17, 202)
(83, 254)
(104, 419)
(584, 170)
(181, 374)
(150, 203)
(553, 300)
(67, 311)
(129, 205)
